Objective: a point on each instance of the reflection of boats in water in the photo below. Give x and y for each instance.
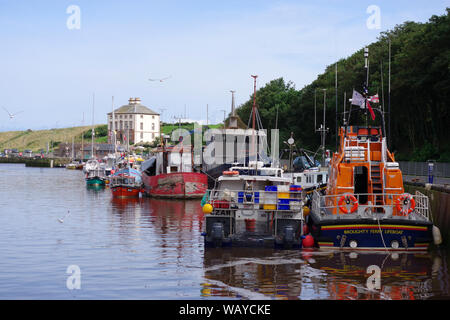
(248, 274)
(176, 215)
(266, 273)
(403, 276)
(95, 187)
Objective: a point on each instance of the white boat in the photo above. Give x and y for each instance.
(253, 206)
(91, 164)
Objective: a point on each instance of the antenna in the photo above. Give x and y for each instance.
(253, 115)
(366, 87)
(322, 129)
(336, 93)
(315, 106)
(389, 95)
(162, 110)
(224, 112)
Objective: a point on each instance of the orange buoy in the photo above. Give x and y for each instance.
(348, 198)
(405, 199)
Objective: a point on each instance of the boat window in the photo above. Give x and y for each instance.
(299, 179)
(361, 183)
(319, 178)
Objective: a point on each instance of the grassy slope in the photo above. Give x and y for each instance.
(36, 140)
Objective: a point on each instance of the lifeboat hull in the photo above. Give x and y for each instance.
(177, 185)
(369, 235)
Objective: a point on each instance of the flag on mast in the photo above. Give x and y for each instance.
(374, 99)
(358, 99)
(372, 114)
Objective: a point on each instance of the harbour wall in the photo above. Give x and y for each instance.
(44, 162)
(439, 196)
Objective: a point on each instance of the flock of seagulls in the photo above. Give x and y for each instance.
(11, 115)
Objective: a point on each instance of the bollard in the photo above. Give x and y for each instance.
(430, 171)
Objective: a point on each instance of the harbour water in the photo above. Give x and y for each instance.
(153, 249)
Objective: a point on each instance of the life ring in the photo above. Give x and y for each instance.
(346, 199)
(405, 199)
(230, 173)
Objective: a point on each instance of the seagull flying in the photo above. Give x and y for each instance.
(160, 80)
(62, 220)
(11, 115)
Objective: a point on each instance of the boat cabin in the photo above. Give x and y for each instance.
(365, 168)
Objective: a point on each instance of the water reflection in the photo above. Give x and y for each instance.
(403, 276)
(153, 249)
(246, 273)
(95, 188)
(252, 274)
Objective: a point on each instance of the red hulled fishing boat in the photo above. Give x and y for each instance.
(172, 174)
(126, 183)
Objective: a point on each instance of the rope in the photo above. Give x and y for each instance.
(381, 234)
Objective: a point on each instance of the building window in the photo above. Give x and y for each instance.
(153, 126)
(153, 136)
(142, 126)
(153, 117)
(142, 117)
(142, 135)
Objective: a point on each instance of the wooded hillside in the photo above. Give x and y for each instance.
(420, 93)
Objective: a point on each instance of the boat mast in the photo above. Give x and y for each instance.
(366, 87)
(336, 94)
(324, 126)
(253, 117)
(389, 96)
(93, 131)
(113, 128)
(82, 141)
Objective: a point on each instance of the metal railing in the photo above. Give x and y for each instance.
(441, 169)
(259, 200)
(367, 206)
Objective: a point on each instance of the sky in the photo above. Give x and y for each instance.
(60, 68)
